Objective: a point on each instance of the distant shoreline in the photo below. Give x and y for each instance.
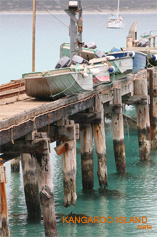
(145, 11)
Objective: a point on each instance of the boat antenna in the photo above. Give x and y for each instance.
(76, 26)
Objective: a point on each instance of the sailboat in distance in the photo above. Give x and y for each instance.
(116, 21)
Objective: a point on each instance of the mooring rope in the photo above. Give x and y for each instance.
(67, 88)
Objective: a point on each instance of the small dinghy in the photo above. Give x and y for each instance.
(57, 82)
(123, 65)
(100, 71)
(139, 59)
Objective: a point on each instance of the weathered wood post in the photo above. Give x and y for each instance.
(153, 106)
(142, 111)
(154, 142)
(67, 149)
(69, 171)
(100, 143)
(46, 184)
(15, 164)
(154, 41)
(86, 142)
(30, 182)
(129, 42)
(4, 225)
(118, 132)
(132, 36)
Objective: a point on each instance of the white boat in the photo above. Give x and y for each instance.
(116, 21)
(121, 65)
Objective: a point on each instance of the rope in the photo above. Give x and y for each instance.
(59, 20)
(17, 99)
(64, 106)
(114, 74)
(52, 96)
(12, 136)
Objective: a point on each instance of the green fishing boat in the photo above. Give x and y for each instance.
(60, 82)
(123, 65)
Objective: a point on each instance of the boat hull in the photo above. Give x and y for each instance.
(60, 83)
(115, 25)
(100, 74)
(139, 60)
(89, 54)
(121, 65)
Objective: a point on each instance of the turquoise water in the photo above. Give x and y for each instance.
(131, 195)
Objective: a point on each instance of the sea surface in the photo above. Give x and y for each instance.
(133, 195)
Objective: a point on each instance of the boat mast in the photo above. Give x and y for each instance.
(76, 26)
(118, 9)
(33, 39)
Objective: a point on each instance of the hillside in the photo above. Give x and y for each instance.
(88, 5)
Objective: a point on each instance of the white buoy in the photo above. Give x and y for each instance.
(154, 57)
(95, 71)
(132, 54)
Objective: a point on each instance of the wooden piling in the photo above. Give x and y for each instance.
(129, 42)
(4, 225)
(118, 132)
(30, 182)
(100, 144)
(15, 164)
(46, 185)
(69, 167)
(142, 112)
(86, 141)
(154, 142)
(153, 106)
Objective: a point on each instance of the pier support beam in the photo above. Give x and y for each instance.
(86, 141)
(15, 164)
(46, 185)
(153, 106)
(68, 151)
(4, 225)
(142, 111)
(118, 133)
(154, 141)
(30, 182)
(100, 144)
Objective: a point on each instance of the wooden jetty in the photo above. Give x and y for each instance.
(28, 126)
(132, 41)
